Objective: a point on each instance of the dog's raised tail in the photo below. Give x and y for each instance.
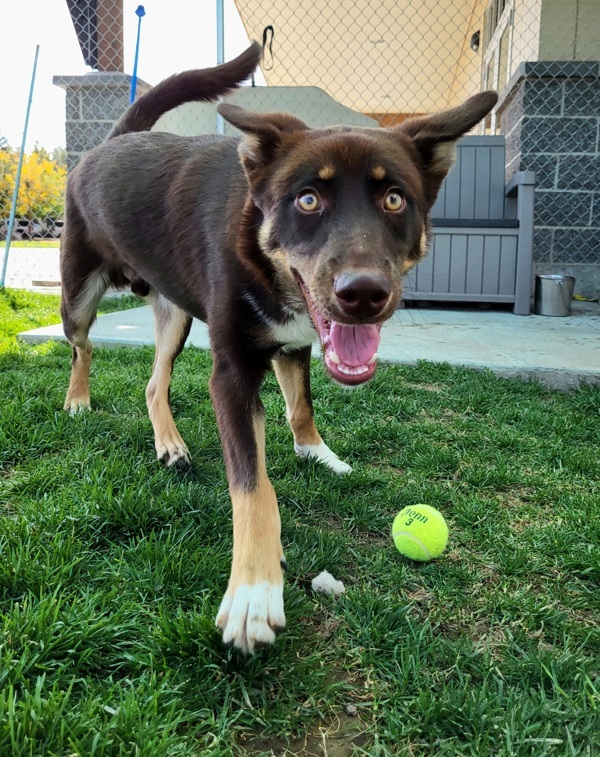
(198, 85)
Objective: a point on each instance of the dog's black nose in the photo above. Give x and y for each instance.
(362, 295)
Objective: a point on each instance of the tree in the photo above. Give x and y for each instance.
(42, 185)
(59, 156)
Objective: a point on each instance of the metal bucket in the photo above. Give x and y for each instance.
(553, 294)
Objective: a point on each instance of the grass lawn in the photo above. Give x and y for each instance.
(21, 310)
(39, 243)
(113, 568)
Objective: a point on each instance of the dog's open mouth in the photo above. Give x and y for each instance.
(350, 351)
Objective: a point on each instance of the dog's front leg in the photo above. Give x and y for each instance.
(252, 609)
(293, 374)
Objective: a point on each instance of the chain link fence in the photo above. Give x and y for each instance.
(378, 62)
(390, 60)
(39, 207)
(92, 103)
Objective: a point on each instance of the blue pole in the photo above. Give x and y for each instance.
(220, 32)
(13, 209)
(140, 13)
(220, 53)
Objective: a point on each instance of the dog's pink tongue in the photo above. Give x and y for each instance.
(354, 345)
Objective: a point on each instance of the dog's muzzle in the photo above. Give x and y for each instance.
(350, 350)
(362, 295)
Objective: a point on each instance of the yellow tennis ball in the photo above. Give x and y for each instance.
(420, 532)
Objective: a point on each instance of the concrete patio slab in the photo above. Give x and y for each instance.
(560, 352)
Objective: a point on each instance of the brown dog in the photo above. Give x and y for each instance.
(267, 238)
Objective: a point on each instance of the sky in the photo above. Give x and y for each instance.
(175, 35)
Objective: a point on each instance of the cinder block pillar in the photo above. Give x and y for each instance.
(550, 116)
(94, 102)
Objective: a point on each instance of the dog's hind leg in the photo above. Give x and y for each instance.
(293, 374)
(79, 302)
(172, 329)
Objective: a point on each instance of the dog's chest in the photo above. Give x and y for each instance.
(290, 328)
(294, 333)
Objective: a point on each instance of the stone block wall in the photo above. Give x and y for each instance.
(550, 116)
(94, 102)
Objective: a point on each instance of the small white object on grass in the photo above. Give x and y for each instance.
(326, 584)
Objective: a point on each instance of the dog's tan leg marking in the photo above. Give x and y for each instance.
(252, 609)
(172, 329)
(292, 373)
(78, 312)
(78, 394)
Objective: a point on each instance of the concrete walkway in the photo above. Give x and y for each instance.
(560, 352)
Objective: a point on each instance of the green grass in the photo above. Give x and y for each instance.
(50, 243)
(113, 569)
(21, 310)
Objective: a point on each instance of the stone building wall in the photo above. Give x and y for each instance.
(550, 116)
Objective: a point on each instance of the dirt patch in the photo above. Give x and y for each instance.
(338, 738)
(426, 387)
(7, 510)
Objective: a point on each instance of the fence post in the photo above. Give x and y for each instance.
(15, 196)
(220, 53)
(140, 13)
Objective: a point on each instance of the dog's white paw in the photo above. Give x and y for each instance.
(75, 406)
(323, 454)
(251, 614)
(173, 453)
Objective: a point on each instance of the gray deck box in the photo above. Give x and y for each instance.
(481, 247)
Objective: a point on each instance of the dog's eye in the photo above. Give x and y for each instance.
(308, 202)
(394, 201)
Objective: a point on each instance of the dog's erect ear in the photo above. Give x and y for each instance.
(435, 136)
(263, 132)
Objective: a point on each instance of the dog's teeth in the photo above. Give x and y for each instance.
(373, 359)
(334, 358)
(351, 371)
